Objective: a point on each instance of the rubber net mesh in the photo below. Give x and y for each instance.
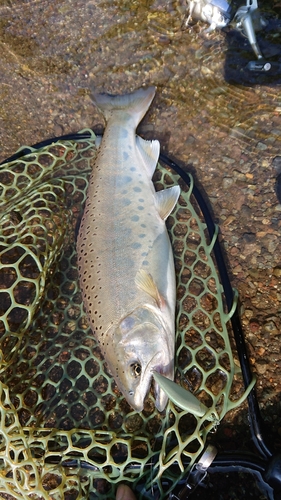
(65, 430)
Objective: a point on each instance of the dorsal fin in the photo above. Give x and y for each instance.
(165, 200)
(149, 151)
(145, 282)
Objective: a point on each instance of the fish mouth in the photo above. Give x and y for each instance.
(137, 397)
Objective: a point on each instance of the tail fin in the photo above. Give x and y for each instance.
(135, 104)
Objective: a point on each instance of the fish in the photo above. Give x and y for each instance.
(125, 259)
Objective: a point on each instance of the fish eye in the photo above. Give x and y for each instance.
(135, 369)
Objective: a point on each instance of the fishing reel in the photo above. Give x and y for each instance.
(247, 20)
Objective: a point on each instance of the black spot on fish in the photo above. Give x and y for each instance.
(125, 156)
(137, 189)
(140, 207)
(126, 202)
(135, 245)
(135, 218)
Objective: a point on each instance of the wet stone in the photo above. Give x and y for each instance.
(227, 182)
(246, 211)
(190, 140)
(261, 146)
(248, 313)
(243, 167)
(228, 160)
(277, 271)
(249, 237)
(261, 368)
(278, 187)
(270, 327)
(254, 325)
(276, 163)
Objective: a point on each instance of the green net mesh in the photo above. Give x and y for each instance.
(65, 430)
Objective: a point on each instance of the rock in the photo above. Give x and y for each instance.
(227, 182)
(270, 327)
(277, 271)
(276, 163)
(249, 237)
(261, 368)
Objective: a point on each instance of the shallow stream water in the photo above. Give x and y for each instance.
(218, 120)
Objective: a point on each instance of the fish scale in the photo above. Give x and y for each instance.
(125, 259)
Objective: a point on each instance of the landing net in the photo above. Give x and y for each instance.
(66, 432)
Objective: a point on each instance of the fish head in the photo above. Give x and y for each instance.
(142, 345)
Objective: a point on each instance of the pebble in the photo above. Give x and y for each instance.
(249, 237)
(228, 160)
(270, 327)
(254, 273)
(261, 368)
(164, 40)
(246, 211)
(254, 326)
(276, 163)
(227, 182)
(265, 163)
(252, 338)
(261, 146)
(277, 271)
(244, 167)
(278, 187)
(259, 302)
(190, 139)
(270, 242)
(249, 313)
(239, 175)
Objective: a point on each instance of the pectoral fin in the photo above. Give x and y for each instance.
(145, 282)
(165, 200)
